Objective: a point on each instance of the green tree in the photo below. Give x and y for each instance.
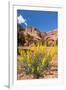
(20, 38)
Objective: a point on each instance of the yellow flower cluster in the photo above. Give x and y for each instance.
(52, 51)
(37, 57)
(39, 48)
(27, 55)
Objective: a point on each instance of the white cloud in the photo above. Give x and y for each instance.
(21, 19)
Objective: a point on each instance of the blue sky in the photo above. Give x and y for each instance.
(43, 20)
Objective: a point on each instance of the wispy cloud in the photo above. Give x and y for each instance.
(21, 19)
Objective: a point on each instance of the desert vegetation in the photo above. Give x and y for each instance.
(36, 54)
(36, 61)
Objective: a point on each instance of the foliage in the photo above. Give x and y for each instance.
(36, 60)
(20, 38)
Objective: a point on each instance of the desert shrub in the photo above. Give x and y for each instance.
(37, 60)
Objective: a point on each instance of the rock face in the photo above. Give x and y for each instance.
(52, 35)
(30, 35)
(34, 32)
